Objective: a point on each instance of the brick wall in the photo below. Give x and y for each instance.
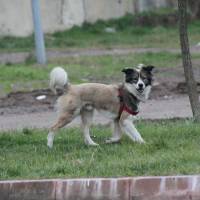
(139, 188)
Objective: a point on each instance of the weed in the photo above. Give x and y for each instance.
(171, 148)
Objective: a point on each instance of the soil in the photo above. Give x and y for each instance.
(20, 57)
(169, 19)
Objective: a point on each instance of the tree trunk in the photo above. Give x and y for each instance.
(136, 6)
(187, 64)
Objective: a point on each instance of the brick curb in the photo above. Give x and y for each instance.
(130, 188)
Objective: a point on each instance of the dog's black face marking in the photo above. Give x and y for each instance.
(148, 68)
(132, 75)
(146, 74)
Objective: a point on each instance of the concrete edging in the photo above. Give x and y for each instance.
(130, 188)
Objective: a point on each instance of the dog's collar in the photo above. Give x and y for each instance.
(128, 102)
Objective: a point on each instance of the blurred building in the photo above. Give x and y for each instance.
(16, 15)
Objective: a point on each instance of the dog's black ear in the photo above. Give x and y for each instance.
(148, 68)
(128, 70)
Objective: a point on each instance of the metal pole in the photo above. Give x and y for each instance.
(39, 37)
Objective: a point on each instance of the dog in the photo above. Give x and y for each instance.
(118, 102)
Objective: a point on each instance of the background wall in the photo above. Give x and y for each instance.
(16, 16)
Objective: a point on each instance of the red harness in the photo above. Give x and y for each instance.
(123, 106)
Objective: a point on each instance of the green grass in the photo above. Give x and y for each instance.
(128, 34)
(80, 69)
(171, 148)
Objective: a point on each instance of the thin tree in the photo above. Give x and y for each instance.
(186, 57)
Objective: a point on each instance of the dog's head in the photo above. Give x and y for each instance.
(139, 81)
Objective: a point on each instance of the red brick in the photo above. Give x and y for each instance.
(86, 189)
(195, 184)
(170, 183)
(193, 195)
(145, 187)
(4, 190)
(32, 190)
(183, 183)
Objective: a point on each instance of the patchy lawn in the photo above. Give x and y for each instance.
(105, 69)
(128, 34)
(171, 148)
(80, 69)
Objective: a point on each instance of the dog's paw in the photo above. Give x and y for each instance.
(140, 141)
(112, 140)
(50, 139)
(91, 143)
(50, 143)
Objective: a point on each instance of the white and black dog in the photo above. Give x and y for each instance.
(118, 102)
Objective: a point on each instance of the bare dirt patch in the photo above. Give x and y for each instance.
(26, 102)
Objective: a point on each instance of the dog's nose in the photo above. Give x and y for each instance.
(140, 85)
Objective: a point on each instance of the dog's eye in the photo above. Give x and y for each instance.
(144, 78)
(135, 80)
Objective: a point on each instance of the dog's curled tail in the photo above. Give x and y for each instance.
(58, 80)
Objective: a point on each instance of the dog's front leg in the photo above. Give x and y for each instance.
(117, 133)
(130, 130)
(50, 139)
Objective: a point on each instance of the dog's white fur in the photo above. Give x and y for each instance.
(133, 90)
(84, 98)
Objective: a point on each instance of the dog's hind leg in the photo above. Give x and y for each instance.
(130, 130)
(86, 116)
(117, 133)
(64, 119)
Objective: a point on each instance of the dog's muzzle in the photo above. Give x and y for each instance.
(140, 87)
